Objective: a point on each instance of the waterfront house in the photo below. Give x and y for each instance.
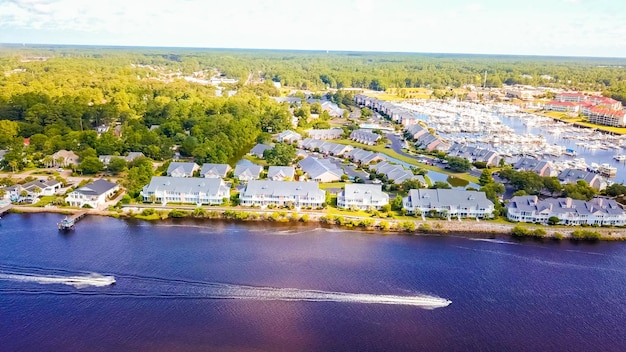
(247, 171)
(289, 136)
(450, 203)
(33, 190)
(362, 196)
(64, 158)
(574, 175)
(198, 191)
(562, 106)
(214, 170)
(182, 169)
(364, 136)
(93, 194)
(281, 173)
(282, 193)
(607, 117)
(320, 170)
(258, 150)
(598, 211)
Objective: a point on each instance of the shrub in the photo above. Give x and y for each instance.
(424, 227)
(587, 235)
(175, 213)
(408, 226)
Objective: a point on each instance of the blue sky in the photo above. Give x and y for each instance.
(531, 27)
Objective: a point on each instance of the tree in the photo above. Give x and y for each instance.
(10, 131)
(91, 165)
(553, 220)
(485, 177)
(552, 185)
(580, 190)
(441, 185)
(282, 154)
(458, 164)
(396, 203)
(116, 165)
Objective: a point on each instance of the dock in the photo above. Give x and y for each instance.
(68, 222)
(5, 208)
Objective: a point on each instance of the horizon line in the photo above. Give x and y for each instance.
(112, 46)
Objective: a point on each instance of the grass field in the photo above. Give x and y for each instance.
(411, 161)
(580, 121)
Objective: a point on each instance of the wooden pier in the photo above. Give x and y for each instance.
(68, 223)
(5, 208)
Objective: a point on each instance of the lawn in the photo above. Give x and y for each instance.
(580, 121)
(255, 160)
(327, 185)
(43, 201)
(411, 161)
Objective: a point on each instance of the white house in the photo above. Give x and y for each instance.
(280, 193)
(92, 194)
(598, 211)
(452, 203)
(362, 196)
(320, 170)
(182, 169)
(214, 170)
(65, 158)
(289, 136)
(281, 173)
(185, 190)
(33, 190)
(247, 172)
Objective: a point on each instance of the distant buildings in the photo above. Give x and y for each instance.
(364, 136)
(289, 136)
(598, 211)
(106, 159)
(258, 150)
(599, 109)
(540, 167)
(331, 133)
(574, 175)
(64, 158)
(474, 154)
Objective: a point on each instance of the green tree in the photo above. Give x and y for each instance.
(458, 164)
(116, 165)
(441, 185)
(282, 154)
(10, 131)
(396, 203)
(91, 165)
(485, 177)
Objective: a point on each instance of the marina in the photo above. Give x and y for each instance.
(514, 134)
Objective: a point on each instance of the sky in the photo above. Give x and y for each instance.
(512, 27)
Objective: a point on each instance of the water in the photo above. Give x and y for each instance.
(197, 286)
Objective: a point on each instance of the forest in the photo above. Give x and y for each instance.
(59, 96)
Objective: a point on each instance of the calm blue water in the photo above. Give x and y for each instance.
(170, 291)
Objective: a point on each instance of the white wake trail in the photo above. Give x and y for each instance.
(75, 281)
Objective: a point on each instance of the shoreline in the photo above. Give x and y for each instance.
(465, 228)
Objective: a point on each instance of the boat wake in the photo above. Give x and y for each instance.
(83, 281)
(134, 286)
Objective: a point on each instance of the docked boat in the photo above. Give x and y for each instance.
(607, 170)
(620, 157)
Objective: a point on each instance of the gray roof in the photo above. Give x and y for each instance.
(183, 167)
(364, 136)
(96, 188)
(283, 188)
(364, 156)
(2, 152)
(250, 170)
(574, 175)
(331, 133)
(530, 164)
(217, 170)
(289, 100)
(259, 149)
(473, 153)
(185, 185)
(394, 172)
(315, 167)
(354, 190)
(284, 171)
(560, 206)
(40, 183)
(437, 198)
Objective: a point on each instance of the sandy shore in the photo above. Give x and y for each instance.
(466, 227)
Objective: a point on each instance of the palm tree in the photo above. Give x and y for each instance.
(13, 164)
(48, 160)
(60, 161)
(3, 193)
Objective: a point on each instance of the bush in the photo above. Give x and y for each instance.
(147, 212)
(408, 226)
(424, 227)
(175, 213)
(586, 235)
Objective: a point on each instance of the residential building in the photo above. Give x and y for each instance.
(362, 196)
(331, 133)
(364, 136)
(598, 211)
(396, 173)
(474, 154)
(258, 150)
(281, 173)
(247, 171)
(289, 136)
(593, 179)
(540, 167)
(34, 189)
(325, 147)
(106, 159)
(198, 191)
(320, 170)
(93, 194)
(562, 106)
(182, 169)
(415, 131)
(364, 157)
(64, 158)
(451, 203)
(607, 117)
(282, 193)
(214, 170)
